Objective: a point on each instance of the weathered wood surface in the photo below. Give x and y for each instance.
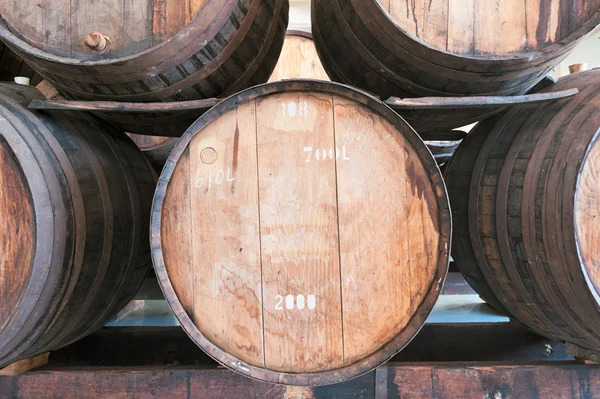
(156, 50)
(11, 66)
(442, 151)
(298, 59)
(74, 202)
(24, 365)
(424, 48)
(470, 102)
(525, 199)
(504, 359)
(470, 380)
(255, 228)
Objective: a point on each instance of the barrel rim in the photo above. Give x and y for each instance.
(187, 34)
(582, 261)
(386, 351)
(584, 28)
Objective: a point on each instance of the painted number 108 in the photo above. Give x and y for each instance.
(293, 109)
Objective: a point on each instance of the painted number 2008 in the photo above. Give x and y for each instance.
(295, 302)
(293, 109)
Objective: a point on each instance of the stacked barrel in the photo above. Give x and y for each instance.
(300, 229)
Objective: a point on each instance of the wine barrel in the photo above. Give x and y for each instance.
(148, 50)
(437, 48)
(298, 59)
(11, 66)
(75, 200)
(300, 232)
(525, 200)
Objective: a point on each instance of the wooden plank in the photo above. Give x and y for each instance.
(461, 19)
(24, 365)
(56, 25)
(193, 8)
(409, 15)
(125, 107)
(435, 27)
(299, 233)
(17, 237)
(137, 26)
(500, 26)
(225, 231)
(175, 226)
(376, 281)
(410, 381)
(476, 101)
(105, 17)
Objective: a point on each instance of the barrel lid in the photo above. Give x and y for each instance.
(493, 29)
(300, 232)
(105, 31)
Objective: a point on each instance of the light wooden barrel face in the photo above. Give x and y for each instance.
(61, 26)
(17, 234)
(298, 59)
(488, 27)
(587, 214)
(301, 232)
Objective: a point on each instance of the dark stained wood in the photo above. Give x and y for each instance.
(155, 148)
(470, 102)
(75, 198)
(442, 151)
(255, 223)
(419, 48)
(11, 66)
(436, 381)
(156, 51)
(524, 193)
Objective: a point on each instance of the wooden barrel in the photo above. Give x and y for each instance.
(11, 66)
(298, 59)
(148, 50)
(75, 203)
(300, 232)
(525, 200)
(421, 48)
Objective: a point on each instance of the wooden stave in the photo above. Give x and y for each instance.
(565, 311)
(126, 78)
(61, 309)
(157, 155)
(312, 378)
(512, 76)
(11, 66)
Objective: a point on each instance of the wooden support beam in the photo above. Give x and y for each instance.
(24, 365)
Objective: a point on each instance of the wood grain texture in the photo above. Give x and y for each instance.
(587, 214)
(445, 48)
(17, 236)
(225, 234)
(156, 51)
(461, 27)
(523, 185)
(318, 229)
(90, 194)
(298, 59)
(299, 233)
(381, 177)
(155, 148)
(25, 365)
